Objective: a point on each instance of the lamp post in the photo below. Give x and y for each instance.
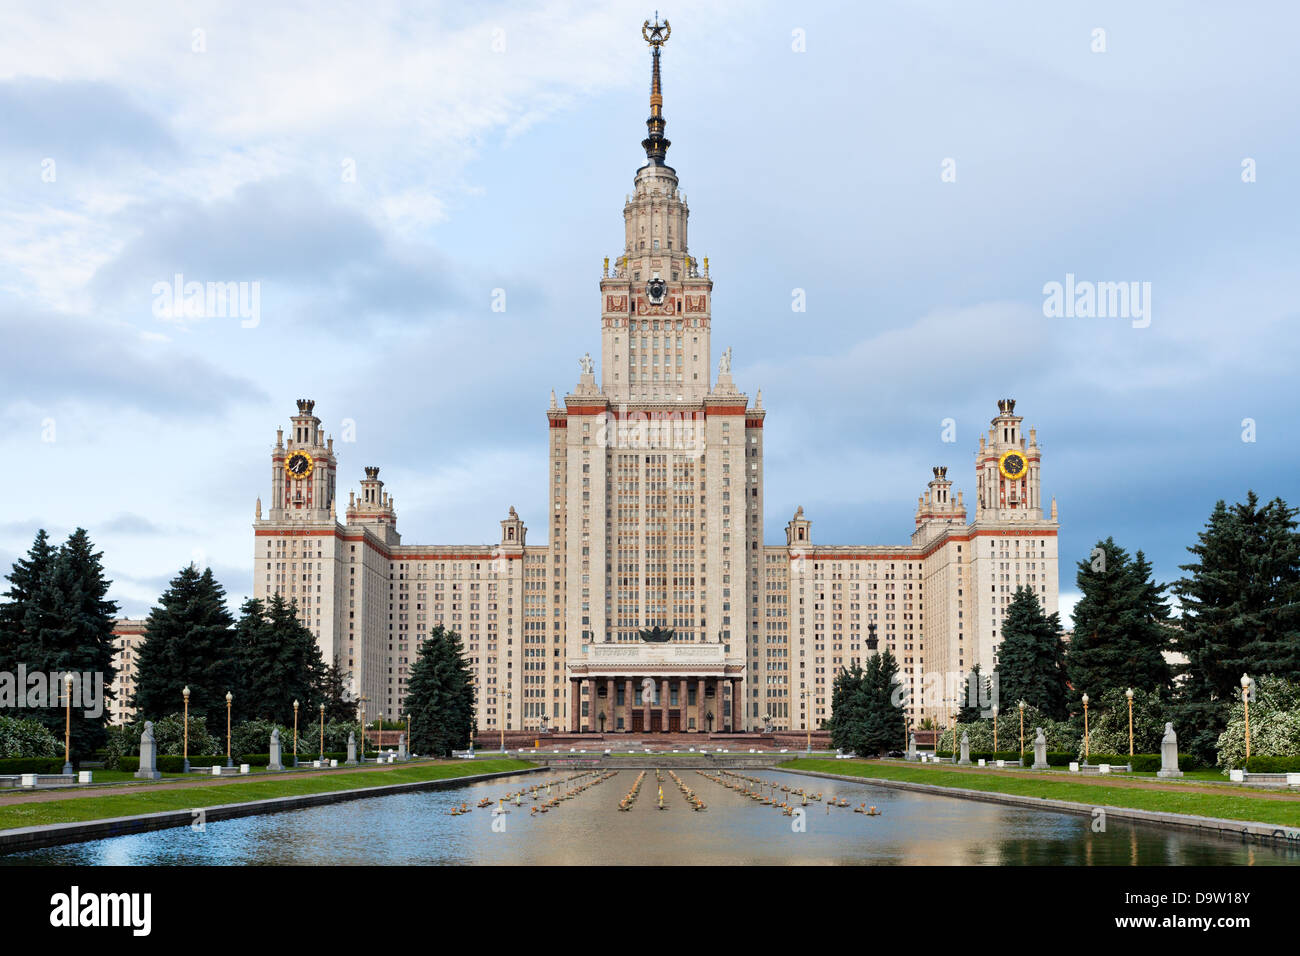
(379, 737)
(362, 701)
(295, 733)
(408, 735)
(501, 717)
(995, 731)
(321, 755)
(1129, 694)
(229, 698)
(1022, 730)
(1245, 700)
(67, 724)
(954, 733)
(1085, 728)
(803, 696)
(186, 694)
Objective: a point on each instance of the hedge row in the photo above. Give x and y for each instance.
(171, 763)
(989, 755)
(13, 765)
(1273, 765)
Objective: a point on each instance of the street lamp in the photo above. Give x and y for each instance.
(1129, 694)
(803, 696)
(995, 731)
(379, 734)
(186, 694)
(295, 733)
(362, 701)
(408, 735)
(322, 735)
(67, 724)
(501, 717)
(229, 697)
(1245, 700)
(1022, 730)
(1085, 728)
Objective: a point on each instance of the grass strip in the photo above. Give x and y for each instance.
(1254, 808)
(80, 809)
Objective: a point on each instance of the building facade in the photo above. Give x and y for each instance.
(654, 603)
(128, 635)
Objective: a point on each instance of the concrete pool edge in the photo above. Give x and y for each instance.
(1248, 831)
(18, 839)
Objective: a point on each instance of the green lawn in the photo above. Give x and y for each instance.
(187, 798)
(1229, 805)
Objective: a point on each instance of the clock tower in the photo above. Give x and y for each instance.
(1007, 469)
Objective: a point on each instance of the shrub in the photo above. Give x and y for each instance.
(13, 765)
(1273, 764)
(169, 735)
(28, 738)
(1274, 724)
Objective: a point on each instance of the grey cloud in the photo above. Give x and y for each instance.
(51, 358)
(75, 119)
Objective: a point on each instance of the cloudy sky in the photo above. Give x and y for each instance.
(921, 169)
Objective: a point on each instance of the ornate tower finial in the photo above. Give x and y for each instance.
(655, 145)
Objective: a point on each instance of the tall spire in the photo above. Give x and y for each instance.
(655, 145)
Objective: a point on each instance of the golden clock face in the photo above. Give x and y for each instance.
(298, 465)
(1013, 466)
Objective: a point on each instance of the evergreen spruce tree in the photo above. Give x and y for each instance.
(886, 721)
(1121, 625)
(848, 708)
(440, 695)
(976, 696)
(1031, 657)
(1241, 614)
(334, 693)
(68, 627)
(189, 641)
(279, 661)
(24, 580)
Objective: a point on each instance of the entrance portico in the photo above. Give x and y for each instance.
(656, 688)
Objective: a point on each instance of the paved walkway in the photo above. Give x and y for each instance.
(10, 798)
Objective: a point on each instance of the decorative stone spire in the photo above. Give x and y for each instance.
(655, 145)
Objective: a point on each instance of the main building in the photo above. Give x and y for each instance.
(654, 603)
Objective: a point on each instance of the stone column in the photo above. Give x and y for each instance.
(646, 703)
(575, 705)
(738, 704)
(629, 703)
(664, 698)
(682, 698)
(610, 719)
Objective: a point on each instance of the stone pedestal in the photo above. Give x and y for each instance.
(965, 750)
(1169, 754)
(1040, 752)
(352, 750)
(401, 747)
(148, 754)
(275, 763)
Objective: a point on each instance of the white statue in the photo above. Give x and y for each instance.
(588, 364)
(724, 366)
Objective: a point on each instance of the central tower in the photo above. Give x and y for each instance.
(655, 303)
(656, 480)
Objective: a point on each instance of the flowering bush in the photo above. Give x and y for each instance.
(1274, 724)
(27, 738)
(1060, 735)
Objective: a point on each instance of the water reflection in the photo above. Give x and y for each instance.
(418, 828)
